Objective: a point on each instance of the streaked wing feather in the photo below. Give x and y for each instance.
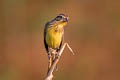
(46, 46)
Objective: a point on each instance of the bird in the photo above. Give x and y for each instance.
(53, 36)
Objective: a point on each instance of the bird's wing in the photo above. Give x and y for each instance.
(45, 29)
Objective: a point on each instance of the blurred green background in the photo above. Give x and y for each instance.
(93, 32)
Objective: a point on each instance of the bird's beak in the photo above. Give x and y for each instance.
(66, 19)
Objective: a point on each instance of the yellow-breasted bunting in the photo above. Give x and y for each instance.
(53, 36)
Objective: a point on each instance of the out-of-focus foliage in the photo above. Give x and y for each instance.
(93, 32)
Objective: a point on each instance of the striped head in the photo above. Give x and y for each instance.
(62, 18)
(60, 21)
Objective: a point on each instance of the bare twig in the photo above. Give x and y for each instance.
(70, 49)
(50, 71)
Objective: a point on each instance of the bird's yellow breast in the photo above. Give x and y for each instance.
(53, 38)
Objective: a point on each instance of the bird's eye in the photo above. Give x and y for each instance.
(58, 18)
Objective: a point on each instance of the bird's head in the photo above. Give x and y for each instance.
(61, 20)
